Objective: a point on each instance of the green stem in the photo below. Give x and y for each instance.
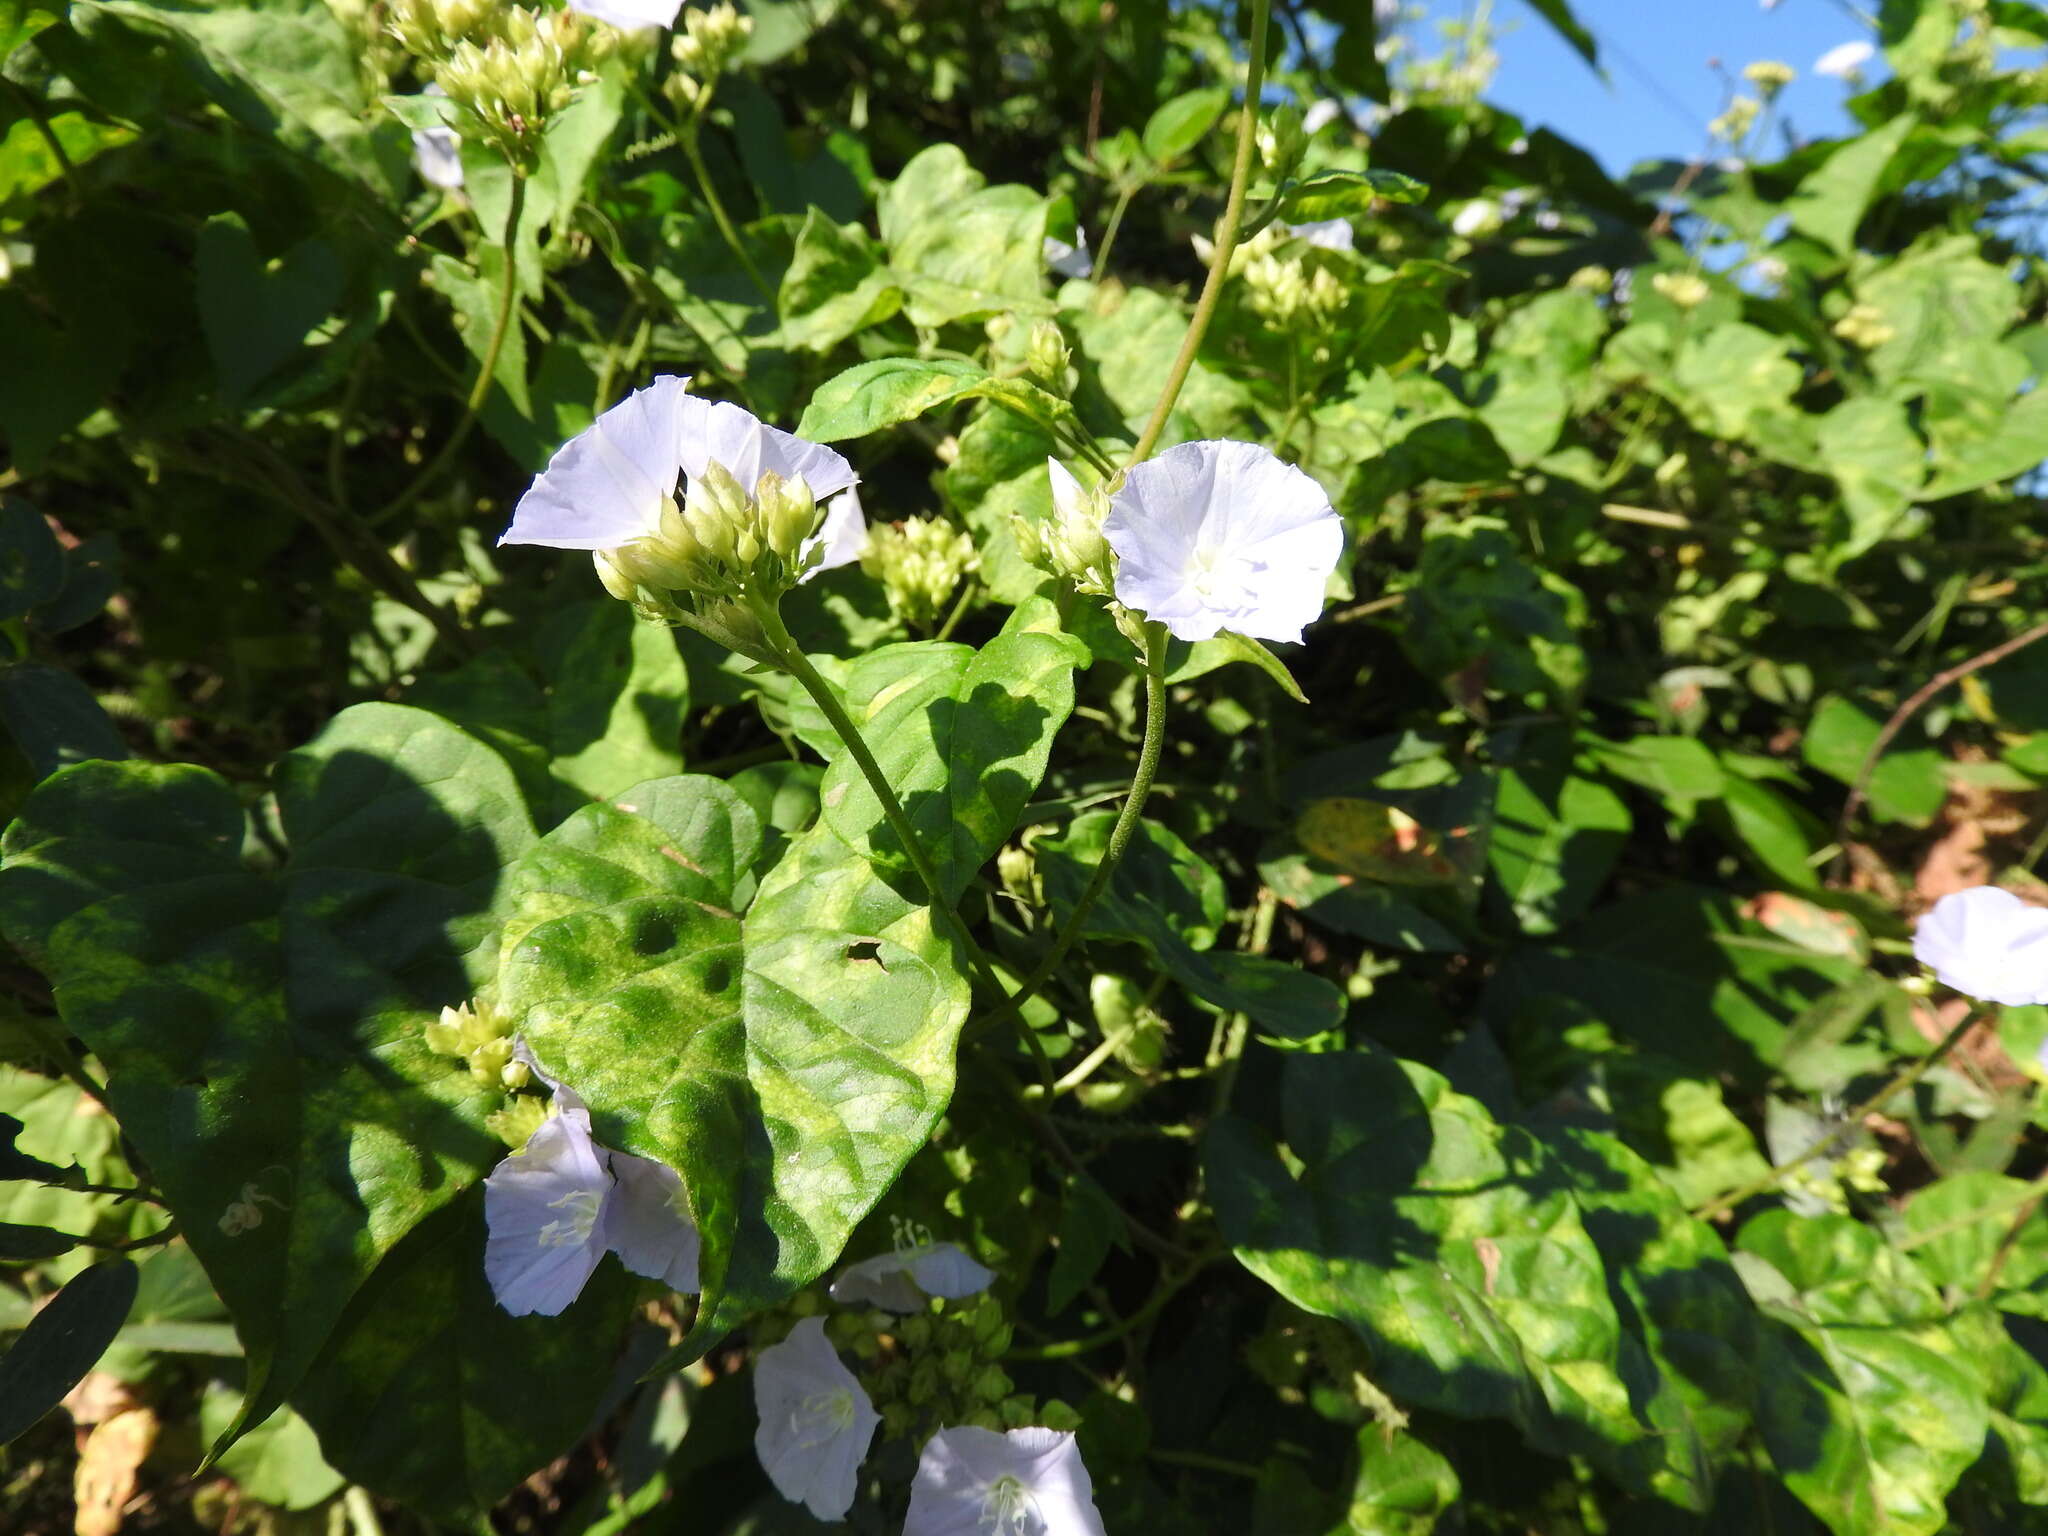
(1154, 1305)
(1126, 823)
(508, 304)
(1116, 222)
(52, 1040)
(1239, 1028)
(1852, 1121)
(966, 601)
(695, 156)
(1226, 237)
(33, 110)
(1202, 1461)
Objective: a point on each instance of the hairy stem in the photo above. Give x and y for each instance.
(1226, 237)
(695, 155)
(1850, 1122)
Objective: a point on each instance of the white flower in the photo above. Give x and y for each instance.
(901, 1281)
(647, 1222)
(1221, 535)
(1328, 234)
(544, 1207)
(630, 15)
(815, 1421)
(1845, 61)
(975, 1482)
(1987, 944)
(609, 483)
(1320, 115)
(1481, 216)
(437, 152)
(554, 1207)
(844, 532)
(1069, 260)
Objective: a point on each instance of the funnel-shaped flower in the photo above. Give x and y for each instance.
(815, 1421)
(554, 1207)
(630, 15)
(975, 1482)
(1845, 61)
(1212, 536)
(1988, 944)
(611, 483)
(544, 1207)
(902, 1281)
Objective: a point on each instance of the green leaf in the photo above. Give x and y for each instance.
(1864, 1401)
(431, 1394)
(617, 697)
(1182, 122)
(27, 163)
(1906, 786)
(870, 396)
(1677, 769)
(1167, 899)
(1340, 194)
(1186, 661)
(255, 313)
(963, 736)
(21, 20)
(54, 719)
(1833, 198)
(61, 1343)
(1879, 461)
(1567, 26)
(1556, 836)
(836, 285)
(1678, 971)
(20, 1244)
(963, 249)
(31, 559)
(17, 1164)
(1449, 1243)
(1402, 1487)
(262, 1037)
(278, 1463)
(1959, 1226)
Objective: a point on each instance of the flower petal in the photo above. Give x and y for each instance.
(719, 432)
(815, 1421)
(843, 534)
(883, 1281)
(1987, 944)
(960, 1487)
(647, 1225)
(630, 14)
(946, 1271)
(544, 1207)
(606, 486)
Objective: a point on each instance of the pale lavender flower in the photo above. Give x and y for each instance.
(1327, 234)
(1222, 535)
(630, 15)
(544, 1207)
(975, 1482)
(1987, 944)
(1845, 61)
(902, 1281)
(1069, 260)
(815, 1421)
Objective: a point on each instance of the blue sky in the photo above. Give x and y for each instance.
(1660, 89)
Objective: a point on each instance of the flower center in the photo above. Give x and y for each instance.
(580, 1208)
(822, 1416)
(1214, 575)
(1009, 1509)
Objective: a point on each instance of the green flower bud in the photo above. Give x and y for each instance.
(488, 1060)
(1688, 290)
(1055, 1414)
(1281, 141)
(614, 580)
(1018, 870)
(519, 1119)
(514, 1076)
(1070, 541)
(788, 514)
(717, 511)
(1769, 76)
(1047, 356)
(919, 563)
(1594, 280)
(991, 1384)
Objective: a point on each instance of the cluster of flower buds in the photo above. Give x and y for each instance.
(1047, 357)
(1288, 292)
(1864, 326)
(1595, 280)
(920, 563)
(506, 85)
(723, 540)
(1769, 76)
(474, 1033)
(1733, 125)
(1069, 544)
(432, 29)
(1688, 290)
(710, 40)
(1282, 138)
(941, 1368)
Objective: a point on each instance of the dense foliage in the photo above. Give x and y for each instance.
(1488, 1088)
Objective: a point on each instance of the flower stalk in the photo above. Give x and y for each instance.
(1226, 237)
